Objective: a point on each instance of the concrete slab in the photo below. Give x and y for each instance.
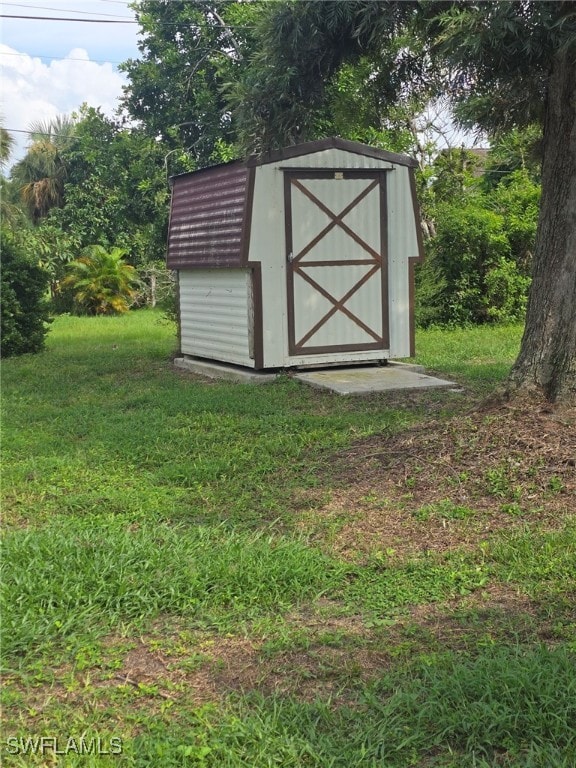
(215, 370)
(356, 380)
(364, 380)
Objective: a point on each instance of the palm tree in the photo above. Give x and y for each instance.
(6, 146)
(41, 173)
(11, 213)
(102, 282)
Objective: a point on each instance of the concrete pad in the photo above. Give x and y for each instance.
(224, 371)
(358, 381)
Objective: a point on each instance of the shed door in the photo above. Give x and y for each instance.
(336, 241)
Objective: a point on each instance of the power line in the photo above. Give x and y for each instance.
(123, 20)
(47, 8)
(62, 18)
(99, 140)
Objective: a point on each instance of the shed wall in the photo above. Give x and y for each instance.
(267, 245)
(216, 314)
(403, 247)
(227, 239)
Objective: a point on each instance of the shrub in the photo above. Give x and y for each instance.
(24, 307)
(102, 282)
(506, 292)
(470, 240)
(478, 264)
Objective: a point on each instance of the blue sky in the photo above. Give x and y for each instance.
(51, 67)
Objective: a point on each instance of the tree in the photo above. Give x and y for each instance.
(41, 173)
(515, 63)
(116, 190)
(190, 50)
(6, 146)
(506, 65)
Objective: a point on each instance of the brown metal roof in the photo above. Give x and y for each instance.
(208, 216)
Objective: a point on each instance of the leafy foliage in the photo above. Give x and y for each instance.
(101, 281)
(295, 87)
(479, 261)
(116, 192)
(6, 146)
(471, 275)
(41, 174)
(498, 57)
(24, 311)
(189, 51)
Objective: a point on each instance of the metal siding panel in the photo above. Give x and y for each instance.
(334, 142)
(403, 245)
(207, 218)
(267, 247)
(215, 314)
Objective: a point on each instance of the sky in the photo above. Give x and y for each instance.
(49, 68)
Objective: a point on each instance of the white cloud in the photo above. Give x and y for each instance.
(33, 90)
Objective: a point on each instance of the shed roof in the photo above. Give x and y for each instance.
(208, 217)
(210, 211)
(308, 148)
(333, 142)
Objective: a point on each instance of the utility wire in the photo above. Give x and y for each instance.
(62, 18)
(47, 8)
(65, 136)
(195, 24)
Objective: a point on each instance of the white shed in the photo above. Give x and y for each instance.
(302, 257)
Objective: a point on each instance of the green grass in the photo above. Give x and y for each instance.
(114, 428)
(152, 512)
(481, 355)
(70, 578)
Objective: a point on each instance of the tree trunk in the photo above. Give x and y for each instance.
(547, 359)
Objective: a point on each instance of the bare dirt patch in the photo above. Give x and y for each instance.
(451, 484)
(340, 653)
(334, 657)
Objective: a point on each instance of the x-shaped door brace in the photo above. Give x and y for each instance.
(337, 220)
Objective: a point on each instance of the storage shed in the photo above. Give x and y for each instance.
(302, 257)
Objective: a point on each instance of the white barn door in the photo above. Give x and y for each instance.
(336, 243)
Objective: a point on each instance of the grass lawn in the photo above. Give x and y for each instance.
(218, 575)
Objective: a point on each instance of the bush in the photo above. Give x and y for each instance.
(506, 292)
(24, 307)
(101, 281)
(478, 264)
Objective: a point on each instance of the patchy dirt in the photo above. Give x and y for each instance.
(451, 484)
(334, 658)
(433, 487)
